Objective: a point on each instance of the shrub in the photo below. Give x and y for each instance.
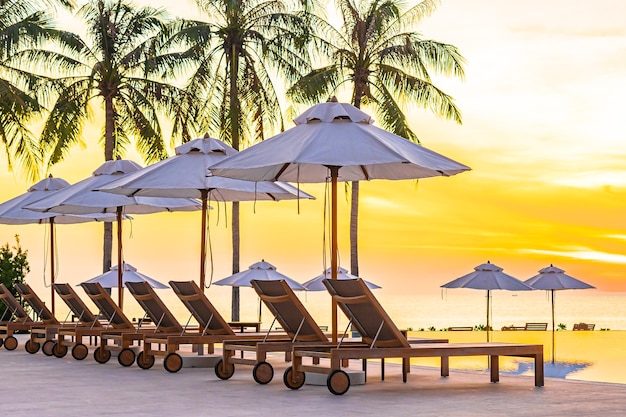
(13, 267)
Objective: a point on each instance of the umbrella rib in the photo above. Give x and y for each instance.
(280, 171)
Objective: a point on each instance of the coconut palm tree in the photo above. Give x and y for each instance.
(115, 70)
(385, 63)
(24, 26)
(237, 50)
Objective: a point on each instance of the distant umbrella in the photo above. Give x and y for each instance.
(13, 212)
(109, 278)
(260, 271)
(553, 279)
(488, 277)
(316, 284)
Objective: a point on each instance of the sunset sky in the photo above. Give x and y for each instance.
(543, 133)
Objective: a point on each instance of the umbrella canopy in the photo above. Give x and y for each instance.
(13, 212)
(316, 284)
(84, 197)
(553, 279)
(488, 277)
(260, 271)
(187, 174)
(109, 278)
(335, 141)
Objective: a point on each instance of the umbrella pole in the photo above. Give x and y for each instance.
(334, 173)
(120, 265)
(553, 331)
(488, 293)
(204, 197)
(52, 272)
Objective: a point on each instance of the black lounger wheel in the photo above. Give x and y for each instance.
(59, 350)
(338, 382)
(101, 355)
(47, 347)
(31, 347)
(263, 373)
(10, 343)
(173, 362)
(293, 379)
(224, 370)
(80, 351)
(126, 357)
(145, 361)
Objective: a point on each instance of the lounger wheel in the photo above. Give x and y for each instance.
(263, 373)
(32, 347)
(173, 362)
(145, 361)
(47, 347)
(338, 382)
(1, 342)
(59, 350)
(10, 343)
(293, 379)
(224, 370)
(126, 357)
(101, 355)
(80, 351)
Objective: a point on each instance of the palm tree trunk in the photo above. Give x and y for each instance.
(234, 126)
(109, 145)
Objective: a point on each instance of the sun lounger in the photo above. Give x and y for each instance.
(528, 326)
(584, 326)
(212, 329)
(16, 319)
(386, 341)
(89, 326)
(118, 329)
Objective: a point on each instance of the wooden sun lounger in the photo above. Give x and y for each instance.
(386, 341)
(89, 326)
(17, 319)
(119, 330)
(528, 326)
(212, 329)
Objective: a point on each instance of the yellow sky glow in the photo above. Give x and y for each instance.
(543, 132)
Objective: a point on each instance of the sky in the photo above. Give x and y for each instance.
(542, 131)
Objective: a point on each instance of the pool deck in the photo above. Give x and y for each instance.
(48, 386)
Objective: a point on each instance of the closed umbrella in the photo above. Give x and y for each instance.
(554, 279)
(259, 271)
(187, 174)
(488, 277)
(109, 278)
(13, 212)
(335, 141)
(83, 198)
(316, 284)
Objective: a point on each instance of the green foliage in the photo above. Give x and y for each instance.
(13, 266)
(562, 326)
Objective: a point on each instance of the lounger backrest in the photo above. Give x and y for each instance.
(154, 307)
(113, 314)
(29, 296)
(210, 320)
(13, 305)
(288, 310)
(76, 305)
(359, 304)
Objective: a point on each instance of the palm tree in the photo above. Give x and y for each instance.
(236, 51)
(24, 26)
(118, 72)
(386, 64)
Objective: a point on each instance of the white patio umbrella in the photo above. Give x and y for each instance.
(554, 279)
(109, 278)
(12, 212)
(83, 198)
(488, 277)
(260, 271)
(187, 174)
(330, 142)
(316, 284)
